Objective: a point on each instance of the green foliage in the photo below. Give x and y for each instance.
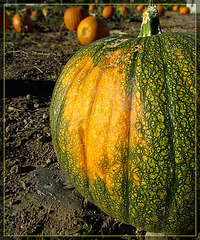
(119, 17)
(131, 18)
(86, 226)
(98, 12)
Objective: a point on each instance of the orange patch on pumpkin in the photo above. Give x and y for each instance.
(98, 110)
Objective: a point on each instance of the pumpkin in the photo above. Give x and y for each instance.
(161, 11)
(73, 17)
(91, 29)
(7, 21)
(124, 10)
(22, 23)
(145, 10)
(184, 10)
(139, 7)
(46, 11)
(108, 12)
(36, 15)
(92, 8)
(122, 120)
(27, 11)
(175, 8)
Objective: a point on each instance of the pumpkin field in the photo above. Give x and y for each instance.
(38, 198)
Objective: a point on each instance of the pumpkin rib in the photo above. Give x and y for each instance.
(128, 160)
(60, 94)
(151, 70)
(174, 132)
(132, 67)
(62, 108)
(89, 121)
(170, 194)
(60, 90)
(144, 68)
(125, 169)
(59, 116)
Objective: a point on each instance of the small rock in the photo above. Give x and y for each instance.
(36, 105)
(48, 134)
(18, 143)
(28, 97)
(45, 115)
(48, 161)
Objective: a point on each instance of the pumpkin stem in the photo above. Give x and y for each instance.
(150, 23)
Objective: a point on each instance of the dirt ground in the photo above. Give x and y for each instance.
(39, 199)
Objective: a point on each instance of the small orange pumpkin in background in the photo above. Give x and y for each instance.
(22, 23)
(184, 10)
(175, 8)
(161, 11)
(11, 12)
(145, 10)
(27, 11)
(45, 11)
(36, 15)
(73, 17)
(108, 12)
(8, 22)
(92, 8)
(124, 10)
(91, 29)
(139, 7)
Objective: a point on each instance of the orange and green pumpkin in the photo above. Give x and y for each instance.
(123, 126)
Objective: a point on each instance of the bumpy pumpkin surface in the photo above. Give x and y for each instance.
(123, 127)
